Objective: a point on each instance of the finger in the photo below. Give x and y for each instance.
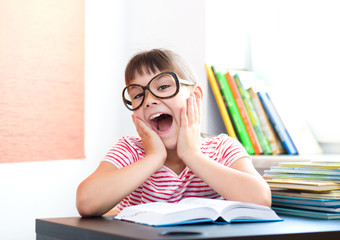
(195, 108)
(199, 108)
(184, 119)
(190, 110)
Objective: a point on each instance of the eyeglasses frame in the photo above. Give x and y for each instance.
(178, 81)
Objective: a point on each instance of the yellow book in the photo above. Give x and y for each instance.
(302, 185)
(220, 102)
(315, 165)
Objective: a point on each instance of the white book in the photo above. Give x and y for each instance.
(196, 210)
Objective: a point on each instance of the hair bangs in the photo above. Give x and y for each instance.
(147, 63)
(157, 60)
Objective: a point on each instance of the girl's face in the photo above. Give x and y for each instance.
(162, 115)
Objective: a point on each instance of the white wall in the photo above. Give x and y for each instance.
(293, 45)
(114, 30)
(228, 33)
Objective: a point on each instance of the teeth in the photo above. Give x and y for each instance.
(155, 116)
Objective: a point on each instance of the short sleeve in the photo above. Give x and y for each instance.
(223, 149)
(126, 151)
(231, 150)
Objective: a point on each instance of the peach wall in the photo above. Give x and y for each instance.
(41, 80)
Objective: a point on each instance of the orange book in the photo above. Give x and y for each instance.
(240, 105)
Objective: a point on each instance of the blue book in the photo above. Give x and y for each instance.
(277, 123)
(335, 203)
(307, 213)
(329, 209)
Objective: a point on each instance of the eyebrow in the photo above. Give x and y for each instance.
(134, 86)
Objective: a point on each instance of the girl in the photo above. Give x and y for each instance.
(170, 160)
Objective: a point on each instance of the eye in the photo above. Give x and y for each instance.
(163, 87)
(138, 96)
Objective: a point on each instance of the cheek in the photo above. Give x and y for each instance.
(139, 115)
(179, 105)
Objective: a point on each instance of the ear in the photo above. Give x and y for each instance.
(198, 92)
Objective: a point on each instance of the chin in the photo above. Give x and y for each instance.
(169, 145)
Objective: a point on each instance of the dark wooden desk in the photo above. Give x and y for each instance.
(106, 228)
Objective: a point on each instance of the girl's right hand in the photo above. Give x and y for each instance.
(152, 143)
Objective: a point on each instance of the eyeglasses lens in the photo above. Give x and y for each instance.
(162, 86)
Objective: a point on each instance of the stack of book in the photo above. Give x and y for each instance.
(252, 118)
(310, 189)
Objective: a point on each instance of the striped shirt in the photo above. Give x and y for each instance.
(165, 185)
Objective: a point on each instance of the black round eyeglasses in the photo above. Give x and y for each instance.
(164, 85)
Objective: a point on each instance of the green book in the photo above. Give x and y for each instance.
(235, 114)
(255, 121)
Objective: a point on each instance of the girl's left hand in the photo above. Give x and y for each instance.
(189, 141)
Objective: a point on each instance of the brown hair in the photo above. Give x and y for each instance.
(148, 62)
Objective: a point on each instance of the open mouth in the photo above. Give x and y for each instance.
(161, 122)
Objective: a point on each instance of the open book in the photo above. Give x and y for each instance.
(196, 210)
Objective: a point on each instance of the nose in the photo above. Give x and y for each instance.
(150, 99)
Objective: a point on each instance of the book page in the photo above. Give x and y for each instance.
(218, 204)
(232, 210)
(159, 213)
(160, 208)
